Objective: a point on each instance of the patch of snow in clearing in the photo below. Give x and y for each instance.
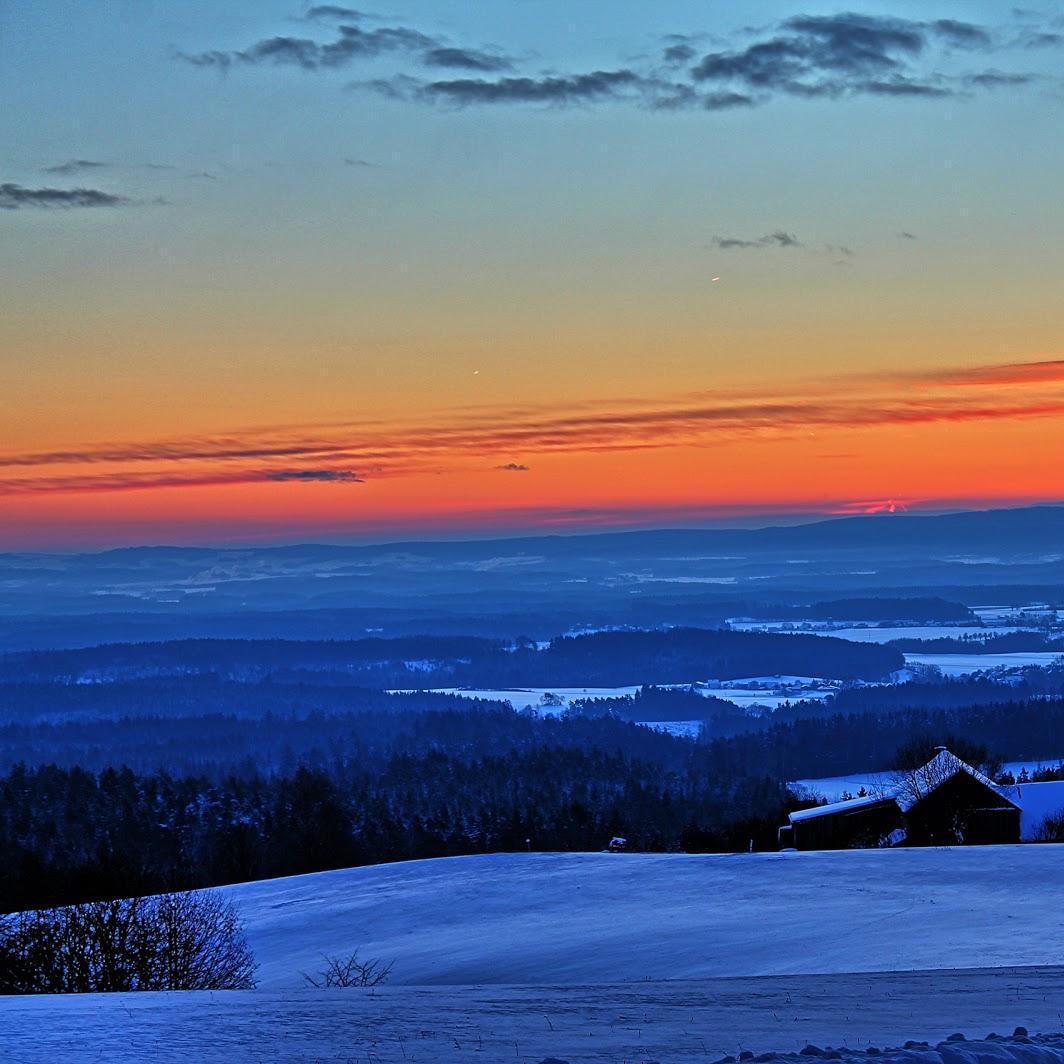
(682, 729)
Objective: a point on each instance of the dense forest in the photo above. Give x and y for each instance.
(437, 784)
(278, 797)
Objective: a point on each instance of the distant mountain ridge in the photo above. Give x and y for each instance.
(1035, 527)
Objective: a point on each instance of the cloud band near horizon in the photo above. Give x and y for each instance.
(504, 440)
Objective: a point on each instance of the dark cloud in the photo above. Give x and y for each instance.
(1039, 39)
(832, 56)
(995, 79)
(812, 56)
(324, 476)
(351, 43)
(778, 239)
(901, 86)
(680, 52)
(74, 166)
(961, 34)
(817, 55)
(400, 87)
(466, 59)
(721, 101)
(573, 88)
(13, 197)
(327, 11)
(513, 467)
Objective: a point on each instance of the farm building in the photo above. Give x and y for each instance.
(945, 802)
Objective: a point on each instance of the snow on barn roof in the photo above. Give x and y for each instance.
(910, 790)
(839, 807)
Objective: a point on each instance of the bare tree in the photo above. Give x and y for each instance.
(188, 941)
(349, 971)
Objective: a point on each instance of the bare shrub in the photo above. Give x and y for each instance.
(1052, 828)
(188, 941)
(349, 971)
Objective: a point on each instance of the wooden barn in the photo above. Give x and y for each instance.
(944, 803)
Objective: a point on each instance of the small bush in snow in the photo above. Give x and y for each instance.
(350, 971)
(1052, 828)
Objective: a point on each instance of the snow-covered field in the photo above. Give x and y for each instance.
(589, 918)
(631, 1023)
(608, 958)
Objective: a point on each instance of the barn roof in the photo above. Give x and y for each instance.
(838, 807)
(942, 767)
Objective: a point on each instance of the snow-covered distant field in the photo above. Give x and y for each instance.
(869, 632)
(966, 664)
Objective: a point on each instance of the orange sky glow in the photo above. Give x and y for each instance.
(929, 439)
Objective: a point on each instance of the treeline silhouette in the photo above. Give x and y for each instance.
(201, 695)
(678, 655)
(982, 643)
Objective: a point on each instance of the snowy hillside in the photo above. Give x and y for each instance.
(596, 918)
(615, 951)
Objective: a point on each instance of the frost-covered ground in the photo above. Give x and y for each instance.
(674, 1023)
(609, 958)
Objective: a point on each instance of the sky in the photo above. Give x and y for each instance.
(272, 271)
